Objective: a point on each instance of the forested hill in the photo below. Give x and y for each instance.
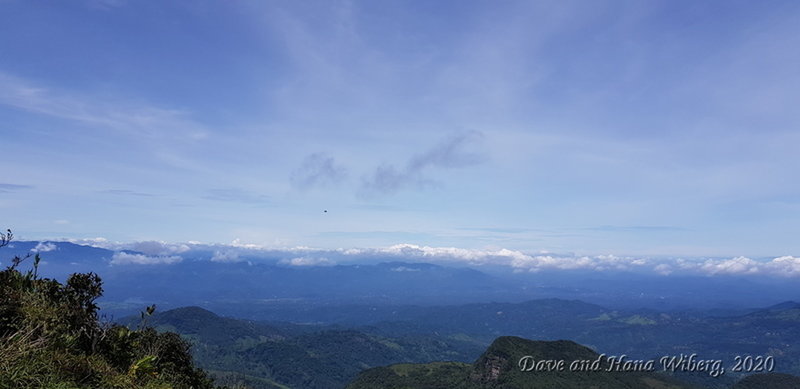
(499, 367)
(269, 355)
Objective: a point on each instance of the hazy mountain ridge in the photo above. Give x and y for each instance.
(268, 285)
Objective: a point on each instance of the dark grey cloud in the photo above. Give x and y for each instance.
(450, 153)
(387, 179)
(236, 195)
(317, 169)
(6, 188)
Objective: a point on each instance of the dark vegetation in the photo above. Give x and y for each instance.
(275, 354)
(497, 368)
(267, 355)
(51, 337)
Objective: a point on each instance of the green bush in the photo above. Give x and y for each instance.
(51, 337)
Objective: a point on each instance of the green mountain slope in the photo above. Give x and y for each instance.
(499, 367)
(268, 356)
(199, 323)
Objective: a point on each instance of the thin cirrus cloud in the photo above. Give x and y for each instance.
(137, 120)
(126, 192)
(607, 228)
(236, 196)
(7, 188)
(452, 153)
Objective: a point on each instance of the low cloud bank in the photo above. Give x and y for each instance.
(785, 266)
(154, 252)
(123, 258)
(307, 261)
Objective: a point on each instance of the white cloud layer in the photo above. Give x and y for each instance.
(159, 248)
(155, 252)
(123, 258)
(307, 261)
(44, 247)
(785, 266)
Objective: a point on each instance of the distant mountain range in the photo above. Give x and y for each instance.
(270, 287)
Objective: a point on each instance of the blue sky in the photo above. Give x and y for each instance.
(627, 128)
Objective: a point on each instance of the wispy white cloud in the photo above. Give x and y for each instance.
(505, 257)
(663, 269)
(252, 246)
(147, 248)
(43, 247)
(405, 269)
(136, 120)
(123, 258)
(127, 192)
(6, 188)
(307, 261)
(236, 195)
(738, 265)
(158, 248)
(98, 242)
(785, 266)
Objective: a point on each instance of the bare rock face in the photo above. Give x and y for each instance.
(489, 369)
